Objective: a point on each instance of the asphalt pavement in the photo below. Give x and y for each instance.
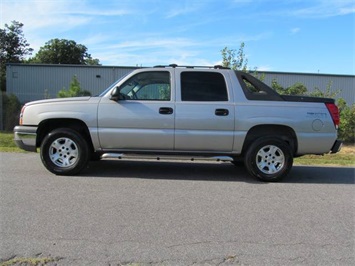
(174, 213)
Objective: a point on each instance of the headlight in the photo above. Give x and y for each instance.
(21, 115)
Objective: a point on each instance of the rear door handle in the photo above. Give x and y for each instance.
(221, 112)
(166, 110)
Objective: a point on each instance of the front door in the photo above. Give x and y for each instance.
(143, 117)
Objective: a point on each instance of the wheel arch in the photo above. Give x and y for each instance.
(49, 125)
(283, 132)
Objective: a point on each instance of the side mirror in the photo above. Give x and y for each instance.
(115, 94)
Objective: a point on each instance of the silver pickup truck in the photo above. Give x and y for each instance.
(181, 112)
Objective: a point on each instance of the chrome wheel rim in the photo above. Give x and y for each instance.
(63, 152)
(270, 159)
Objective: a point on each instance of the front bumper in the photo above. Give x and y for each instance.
(25, 138)
(337, 146)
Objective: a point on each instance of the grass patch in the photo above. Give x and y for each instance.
(7, 143)
(346, 157)
(28, 261)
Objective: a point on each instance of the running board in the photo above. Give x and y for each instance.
(124, 156)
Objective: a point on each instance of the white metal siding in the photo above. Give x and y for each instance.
(34, 82)
(345, 84)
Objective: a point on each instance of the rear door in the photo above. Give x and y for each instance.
(204, 118)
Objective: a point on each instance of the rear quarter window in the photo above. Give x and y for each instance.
(254, 89)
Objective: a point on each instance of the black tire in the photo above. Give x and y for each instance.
(269, 159)
(95, 157)
(64, 152)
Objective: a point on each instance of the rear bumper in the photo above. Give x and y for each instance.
(337, 146)
(25, 138)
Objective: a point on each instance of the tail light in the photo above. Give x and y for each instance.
(334, 113)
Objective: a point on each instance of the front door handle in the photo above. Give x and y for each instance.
(221, 112)
(166, 110)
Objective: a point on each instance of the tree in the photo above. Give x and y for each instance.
(327, 93)
(74, 90)
(13, 48)
(92, 62)
(277, 87)
(63, 51)
(296, 89)
(234, 61)
(347, 124)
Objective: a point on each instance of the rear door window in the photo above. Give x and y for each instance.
(203, 86)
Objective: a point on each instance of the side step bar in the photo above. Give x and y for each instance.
(164, 157)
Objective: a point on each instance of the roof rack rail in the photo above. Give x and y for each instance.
(175, 66)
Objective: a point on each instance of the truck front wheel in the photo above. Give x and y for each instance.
(269, 159)
(64, 152)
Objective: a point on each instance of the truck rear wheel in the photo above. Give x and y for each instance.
(64, 152)
(269, 159)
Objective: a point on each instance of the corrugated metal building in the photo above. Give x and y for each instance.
(345, 84)
(31, 82)
(37, 81)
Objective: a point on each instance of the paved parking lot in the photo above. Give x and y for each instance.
(174, 213)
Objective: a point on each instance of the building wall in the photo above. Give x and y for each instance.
(35, 81)
(345, 84)
(31, 82)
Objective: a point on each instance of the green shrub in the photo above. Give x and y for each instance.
(74, 90)
(11, 111)
(347, 124)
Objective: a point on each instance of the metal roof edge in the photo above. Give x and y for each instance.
(301, 73)
(136, 67)
(69, 65)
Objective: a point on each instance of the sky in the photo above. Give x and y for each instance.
(307, 36)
